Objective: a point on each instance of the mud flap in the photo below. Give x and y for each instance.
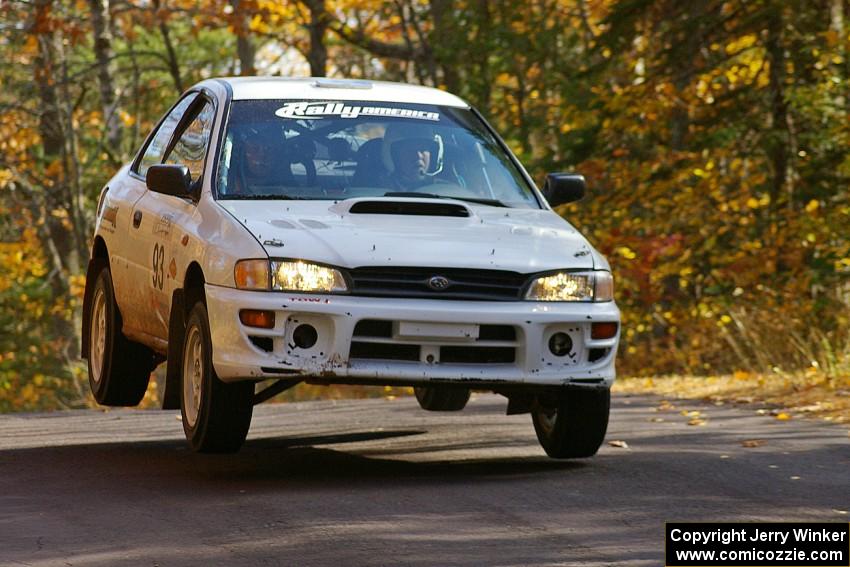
(176, 332)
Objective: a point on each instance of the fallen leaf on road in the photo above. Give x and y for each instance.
(795, 478)
(750, 443)
(665, 406)
(783, 416)
(620, 444)
(656, 419)
(697, 421)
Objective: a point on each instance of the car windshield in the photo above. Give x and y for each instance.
(291, 149)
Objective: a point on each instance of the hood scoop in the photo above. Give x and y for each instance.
(409, 208)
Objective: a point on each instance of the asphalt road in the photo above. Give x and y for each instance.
(380, 482)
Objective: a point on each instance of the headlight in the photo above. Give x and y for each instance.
(295, 275)
(288, 275)
(597, 285)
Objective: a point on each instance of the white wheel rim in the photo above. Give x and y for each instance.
(193, 376)
(97, 335)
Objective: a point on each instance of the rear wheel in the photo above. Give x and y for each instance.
(441, 398)
(216, 415)
(119, 369)
(574, 424)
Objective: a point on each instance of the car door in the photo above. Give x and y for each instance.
(133, 283)
(164, 218)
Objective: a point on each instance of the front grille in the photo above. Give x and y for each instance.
(378, 328)
(373, 339)
(383, 351)
(373, 328)
(477, 355)
(462, 283)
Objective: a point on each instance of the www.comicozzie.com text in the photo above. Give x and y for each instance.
(755, 534)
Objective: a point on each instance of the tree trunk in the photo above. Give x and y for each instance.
(481, 56)
(836, 25)
(317, 56)
(778, 142)
(103, 55)
(246, 51)
(171, 54)
(446, 41)
(684, 70)
(57, 237)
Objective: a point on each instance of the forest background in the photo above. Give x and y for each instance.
(713, 135)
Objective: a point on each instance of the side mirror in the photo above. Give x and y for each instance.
(169, 180)
(563, 188)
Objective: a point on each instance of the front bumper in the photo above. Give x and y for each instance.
(478, 343)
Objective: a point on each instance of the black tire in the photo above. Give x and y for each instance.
(441, 398)
(216, 415)
(574, 426)
(119, 369)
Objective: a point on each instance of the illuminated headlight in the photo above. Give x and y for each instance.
(295, 275)
(288, 275)
(597, 285)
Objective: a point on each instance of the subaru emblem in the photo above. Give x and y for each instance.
(438, 283)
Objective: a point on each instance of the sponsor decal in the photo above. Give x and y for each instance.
(304, 110)
(163, 225)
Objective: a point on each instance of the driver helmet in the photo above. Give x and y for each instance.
(259, 142)
(402, 137)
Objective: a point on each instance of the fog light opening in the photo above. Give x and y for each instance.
(305, 336)
(257, 318)
(560, 344)
(606, 330)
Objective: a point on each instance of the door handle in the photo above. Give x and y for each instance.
(137, 219)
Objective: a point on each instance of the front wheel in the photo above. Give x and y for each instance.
(441, 398)
(216, 415)
(574, 424)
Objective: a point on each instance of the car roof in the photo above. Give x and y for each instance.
(319, 88)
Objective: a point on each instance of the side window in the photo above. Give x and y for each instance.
(191, 148)
(158, 144)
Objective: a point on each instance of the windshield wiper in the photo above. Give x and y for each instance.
(476, 200)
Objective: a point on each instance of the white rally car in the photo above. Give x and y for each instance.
(274, 231)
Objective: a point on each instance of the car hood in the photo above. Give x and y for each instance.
(520, 240)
